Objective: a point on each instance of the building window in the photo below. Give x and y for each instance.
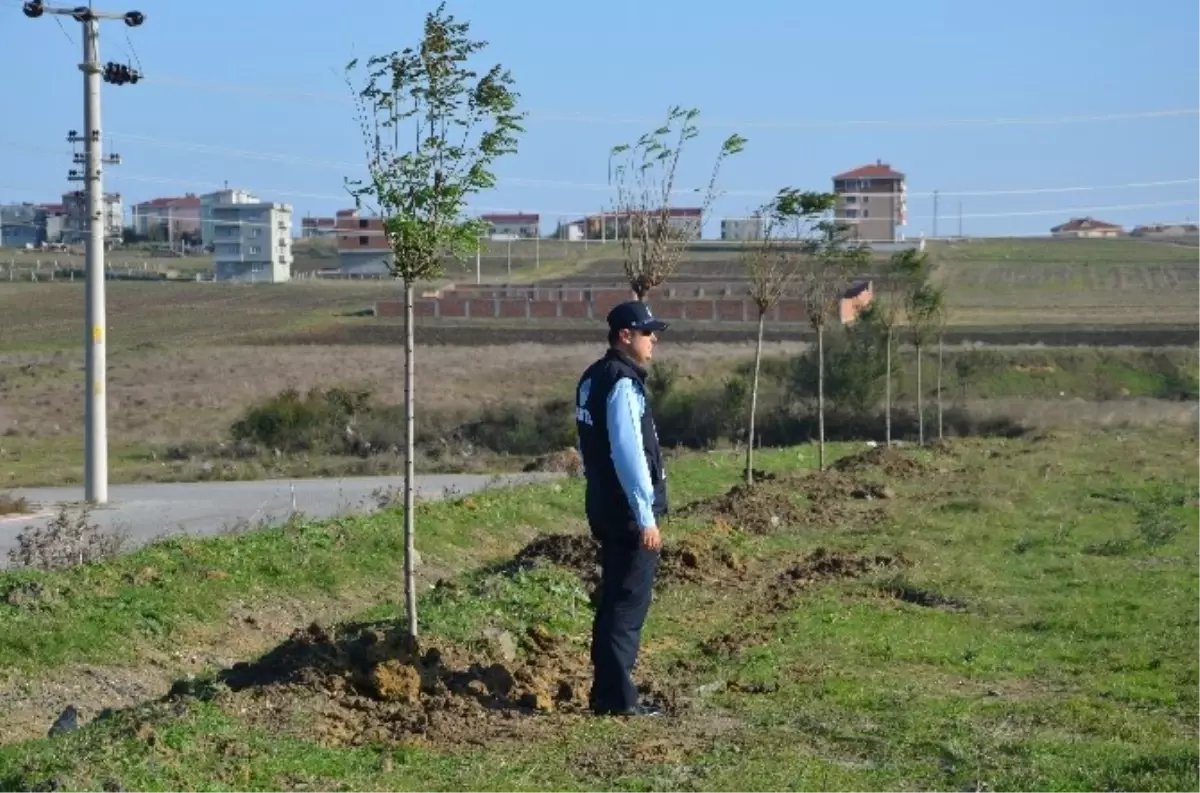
(362, 240)
(852, 199)
(866, 199)
(253, 249)
(866, 213)
(362, 223)
(256, 232)
(851, 213)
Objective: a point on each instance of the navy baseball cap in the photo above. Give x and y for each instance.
(634, 315)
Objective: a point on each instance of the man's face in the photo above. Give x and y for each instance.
(639, 345)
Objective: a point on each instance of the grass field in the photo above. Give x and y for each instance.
(1011, 615)
(186, 358)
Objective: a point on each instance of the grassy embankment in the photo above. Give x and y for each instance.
(1008, 615)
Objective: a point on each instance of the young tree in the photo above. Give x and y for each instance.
(645, 182)
(432, 127)
(923, 305)
(940, 321)
(834, 260)
(772, 267)
(890, 293)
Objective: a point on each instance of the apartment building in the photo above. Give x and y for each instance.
(872, 202)
(75, 221)
(252, 241)
(311, 227)
(362, 246)
(219, 198)
(168, 219)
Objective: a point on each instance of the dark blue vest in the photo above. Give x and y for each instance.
(607, 505)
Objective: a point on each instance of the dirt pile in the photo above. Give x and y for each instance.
(760, 509)
(893, 463)
(691, 563)
(565, 461)
(578, 552)
(367, 683)
(820, 566)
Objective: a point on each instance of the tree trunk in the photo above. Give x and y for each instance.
(939, 388)
(920, 401)
(762, 317)
(410, 579)
(887, 399)
(821, 397)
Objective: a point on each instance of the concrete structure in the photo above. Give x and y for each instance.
(513, 225)
(168, 219)
(317, 227)
(362, 245)
(686, 221)
(872, 201)
(76, 224)
(1155, 231)
(252, 242)
(725, 304)
(220, 198)
(21, 225)
(1086, 227)
(750, 228)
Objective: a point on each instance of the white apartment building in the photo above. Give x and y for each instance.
(252, 242)
(220, 197)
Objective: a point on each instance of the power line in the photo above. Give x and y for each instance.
(583, 118)
(504, 181)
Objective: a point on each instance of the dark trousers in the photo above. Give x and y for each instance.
(627, 580)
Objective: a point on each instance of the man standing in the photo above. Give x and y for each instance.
(626, 498)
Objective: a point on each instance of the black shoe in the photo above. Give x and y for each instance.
(632, 710)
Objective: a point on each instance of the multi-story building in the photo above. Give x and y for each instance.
(76, 224)
(317, 227)
(362, 245)
(513, 225)
(686, 221)
(219, 198)
(872, 202)
(1086, 227)
(252, 242)
(21, 225)
(168, 219)
(750, 228)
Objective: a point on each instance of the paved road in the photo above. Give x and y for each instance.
(148, 511)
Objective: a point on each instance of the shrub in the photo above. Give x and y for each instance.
(322, 420)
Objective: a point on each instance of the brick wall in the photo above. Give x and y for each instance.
(715, 309)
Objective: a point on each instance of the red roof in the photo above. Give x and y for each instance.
(511, 218)
(53, 207)
(1082, 224)
(880, 170)
(318, 222)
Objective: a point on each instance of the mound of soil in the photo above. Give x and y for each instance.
(821, 565)
(891, 462)
(690, 563)
(565, 461)
(760, 509)
(369, 683)
(578, 552)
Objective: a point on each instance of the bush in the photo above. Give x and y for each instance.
(536, 429)
(321, 421)
(855, 366)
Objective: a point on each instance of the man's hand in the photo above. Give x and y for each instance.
(651, 540)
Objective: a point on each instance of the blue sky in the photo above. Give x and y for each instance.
(250, 92)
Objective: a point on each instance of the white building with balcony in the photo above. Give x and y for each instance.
(220, 197)
(252, 242)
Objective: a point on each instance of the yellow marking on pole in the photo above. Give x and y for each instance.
(97, 334)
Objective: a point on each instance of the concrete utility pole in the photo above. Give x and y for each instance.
(95, 410)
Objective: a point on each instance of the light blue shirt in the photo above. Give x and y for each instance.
(625, 406)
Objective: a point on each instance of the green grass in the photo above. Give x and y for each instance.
(1073, 665)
